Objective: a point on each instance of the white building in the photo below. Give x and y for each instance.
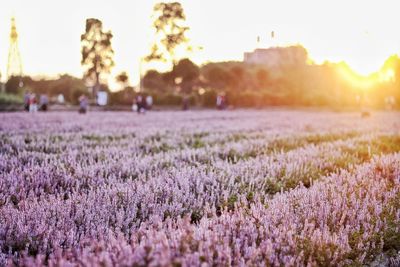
(277, 56)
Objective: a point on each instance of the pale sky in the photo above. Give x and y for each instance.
(361, 32)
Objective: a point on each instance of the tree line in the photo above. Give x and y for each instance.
(250, 85)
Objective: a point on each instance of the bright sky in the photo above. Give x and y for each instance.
(361, 32)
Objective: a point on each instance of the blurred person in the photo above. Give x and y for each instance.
(32, 103)
(185, 103)
(83, 104)
(43, 102)
(134, 104)
(149, 102)
(141, 104)
(134, 107)
(221, 102)
(390, 102)
(27, 97)
(225, 102)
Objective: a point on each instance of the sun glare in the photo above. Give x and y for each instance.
(356, 79)
(386, 76)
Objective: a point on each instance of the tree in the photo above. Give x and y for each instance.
(170, 26)
(2, 85)
(13, 84)
(97, 53)
(67, 85)
(122, 97)
(262, 78)
(218, 78)
(187, 72)
(122, 79)
(238, 77)
(153, 80)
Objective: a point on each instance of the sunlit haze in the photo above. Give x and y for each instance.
(362, 33)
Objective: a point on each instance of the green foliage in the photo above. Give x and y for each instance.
(391, 236)
(196, 216)
(195, 142)
(228, 203)
(10, 99)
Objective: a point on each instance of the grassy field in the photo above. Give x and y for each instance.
(230, 188)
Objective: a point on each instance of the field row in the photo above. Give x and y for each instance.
(240, 188)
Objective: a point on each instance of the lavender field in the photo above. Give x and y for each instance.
(208, 188)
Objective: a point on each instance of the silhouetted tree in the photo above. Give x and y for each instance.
(97, 53)
(168, 79)
(169, 25)
(67, 85)
(122, 79)
(122, 97)
(153, 80)
(187, 72)
(392, 64)
(71, 87)
(218, 78)
(2, 85)
(13, 85)
(238, 78)
(262, 78)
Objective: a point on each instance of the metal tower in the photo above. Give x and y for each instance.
(14, 65)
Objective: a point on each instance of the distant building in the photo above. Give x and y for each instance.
(275, 57)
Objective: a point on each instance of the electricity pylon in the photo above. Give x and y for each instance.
(14, 65)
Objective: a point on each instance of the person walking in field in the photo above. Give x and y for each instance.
(27, 97)
(33, 103)
(44, 102)
(221, 102)
(140, 104)
(185, 103)
(83, 104)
